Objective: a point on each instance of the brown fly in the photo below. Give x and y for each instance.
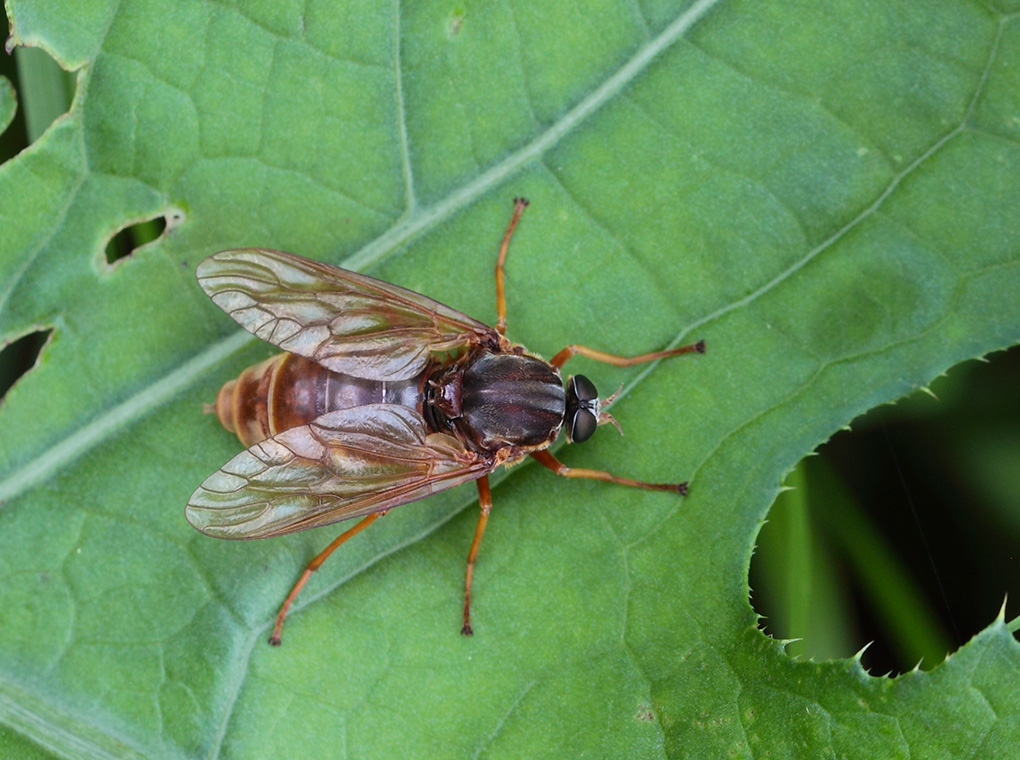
(383, 397)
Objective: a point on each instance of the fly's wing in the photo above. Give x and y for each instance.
(345, 321)
(345, 464)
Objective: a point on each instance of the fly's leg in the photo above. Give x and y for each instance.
(314, 565)
(623, 361)
(519, 205)
(485, 500)
(548, 460)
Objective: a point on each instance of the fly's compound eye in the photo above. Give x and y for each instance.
(582, 389)
(582, 426)
(583, 408)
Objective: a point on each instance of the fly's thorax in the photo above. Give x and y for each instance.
(509, 399)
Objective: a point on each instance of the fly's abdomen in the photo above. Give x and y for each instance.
(287, 390)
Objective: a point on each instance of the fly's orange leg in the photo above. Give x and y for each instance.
(623, 361)
(314, 565)
(519, 205)
(485, 500)
(548, 460)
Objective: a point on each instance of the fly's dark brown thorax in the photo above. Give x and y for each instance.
(287, 390)
(497, 399)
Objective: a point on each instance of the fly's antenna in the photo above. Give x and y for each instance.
(605, 417)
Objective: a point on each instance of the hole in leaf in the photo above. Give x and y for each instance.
(13, 139)
(45, 90)
(134, 236)
(903, 533)
(18, 357)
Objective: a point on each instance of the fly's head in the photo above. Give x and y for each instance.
(584, 409)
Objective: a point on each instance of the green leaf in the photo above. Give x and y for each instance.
(826, 193)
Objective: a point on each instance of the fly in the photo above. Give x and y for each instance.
(382, 397)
